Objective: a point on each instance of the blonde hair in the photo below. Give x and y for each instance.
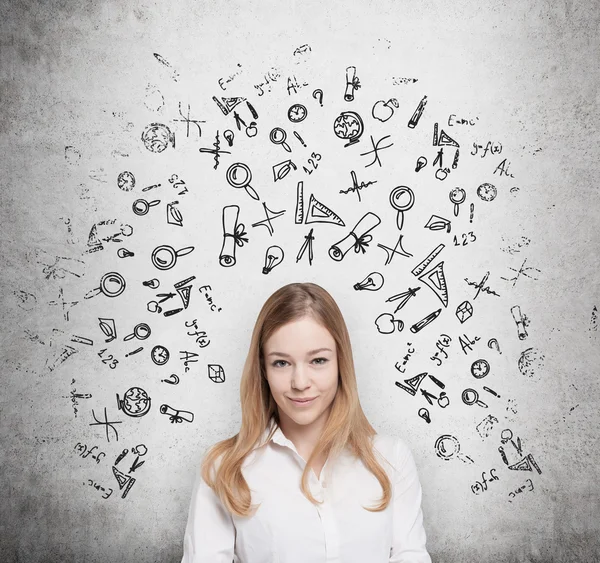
(347, 425)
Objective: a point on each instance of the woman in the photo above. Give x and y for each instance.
(292, 486)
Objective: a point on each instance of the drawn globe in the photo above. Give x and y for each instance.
(348, 125)
(135, 402)
(156, 137)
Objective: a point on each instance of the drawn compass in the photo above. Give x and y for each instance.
(480, 368)
(297, 113)
(160, 355)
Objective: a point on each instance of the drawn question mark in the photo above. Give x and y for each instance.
(318, 95)
(173, 379)
(493, 343)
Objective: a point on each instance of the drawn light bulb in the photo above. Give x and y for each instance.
(228, 134)
(421, 163)
(372, 282)
(273, 257)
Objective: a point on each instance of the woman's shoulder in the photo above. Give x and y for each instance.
(393, 448)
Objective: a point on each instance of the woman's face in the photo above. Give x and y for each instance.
(300, 363)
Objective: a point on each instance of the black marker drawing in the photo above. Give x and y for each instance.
(443, 139)
(411, 385)
(252, 130)
(355, 185)
(269, 214)
(485, 427)
(82, 340)
(152, 187)
(63, 303)
(164, 62)
(124, 253)
(152, 284)
(184, 289)
(457, 196)
(503, 168)
(216, 152)
(227, 104)
(177, 183)
(526, 463)
(313, 162)
(522, 488)
(520, 321)
(299, 215)
(188, 358)
(176, 415)
(173, 379)
(186, 119)
(428, 396)
(493, 343)
(404, 297)
(110, 360)
(84, 452)
(107, 425)
(491, 391)
(141, 331)
(384, 110)
(437, 223)
(281, 170)
(455, 161)
(352, 83)
(442, 343)
(481, 486)
(297, 135)
(466, 343)
(376, 149)
(216, 373)
(373, 282)
(278, 137)
(112, 284)
(273, 257)
(396, 195)
(209, 298)
(157, 137)
(357, 238)
(109, 328)
(471, 397)
(135, 402)
(448, 446)
(228, 134)
(420, 268)
(142, 206)
(436, 281)
(349, 126)
(522, 271)
(425, 321)
(307, 245)
(318, 95)
(421, 163)
(164, 257)
(390, 252)
(412, 123)
(125, 481)
(239, 121)
(410, 352)
(318, 212)
(530, 361)
(481, 286)
(471, 211)
(480, 368)
(233, 235)
(201, 336)
(386, 324)
(424, 414)
(487, 192)
(239, 176)
(174, 216)
(297, 113)
(160, 355)
(252, 110)
(126, 181)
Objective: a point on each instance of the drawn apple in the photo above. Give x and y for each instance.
(383, 110)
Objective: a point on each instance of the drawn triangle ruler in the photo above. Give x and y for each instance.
(318, 212)
(436, 281)
(125, 481)
(522, 465)
(227, 104)
(411, 385)
(184, 293)
(446, 139)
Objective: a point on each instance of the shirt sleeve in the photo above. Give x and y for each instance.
(408, 534)
(210, 531)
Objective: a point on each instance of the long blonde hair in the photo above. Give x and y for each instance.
(347, 425)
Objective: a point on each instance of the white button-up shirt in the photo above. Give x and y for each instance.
(288, 528)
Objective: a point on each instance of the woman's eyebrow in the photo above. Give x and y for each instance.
(310, 353)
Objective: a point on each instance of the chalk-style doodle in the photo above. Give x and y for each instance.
(530, 360)
(424, 414)
(457, 196)
(594, 320)
(227, 104)
(126, 181)
(26, 301)
(414, 120)
(484, 428)
(107, 424)
(318, 95)
(72, 155)
(466, 343)
(437, 223)
(121, 456)
(228, 134)
(443, 400)
(410, 352)
(162, 297)
(396, 195)
(443, 139)
(373, 282)
(81, 340)
(281, 170)
(184, 289)
(386, 324)
(411, 385)
(428, 396)
(84, 452)
(98, 487)
(160, 355)
(136, 351)
(352, 83)
(442, 173)
(439, 158)
(526, 463)
(165, 63)
(216, 152)
(493, 343)
(293, 84)
(239, 176)
(164, 257)
(174, 216)
(142, 206)
(349, 126)
(421, 266)
(209, 298)
(154, 100)
(110, 360)
(157, 137)
(471, 397)
(481, 286)
(421, 163)
(278, 136)
(481, 486)
(233, 235)
(273, 257)
(136, 464)
(201, 336)
(397, 80)
(308, 239)
(420, 325)
(188, 358)
(125, 481)
(470, 234)
(357, 238)
(176, 415)
(95, 239)
(216, 373)
(109, 328)
(57, 267)
(297, 113)
(520, 321)
(491, 391)
(376, 149)
(252, 130)
(73, 396)
(503, 168)
(491, 147)
(239, 121)
(487, 192)
(404, 297)
(269, 214)
(522, 271)
(448, 446)
(455, 161)
(355, 185)
(173, 312)
(442, 343)
(177, 183)
(124, 253)
(135, 402)
(383, 111)
(112, 284)
(186, 119)
(516, 246)
(471, 210)
(436, 281)
(318, 212)
(63, 303)
(297, 135)
(173, 379)
(480, 368)
(522, 488)
(141, 331)
(152, 284)
(302, 50)
(251, 109)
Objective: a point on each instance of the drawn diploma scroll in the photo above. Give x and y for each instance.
(233, 234)
(357, 238)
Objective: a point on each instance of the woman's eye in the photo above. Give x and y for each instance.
(276, 363)
(324, 360)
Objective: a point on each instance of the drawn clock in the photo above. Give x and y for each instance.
(160, 355)
(480, 368)
(297, 113)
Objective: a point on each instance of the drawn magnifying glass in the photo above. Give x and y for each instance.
(278, 137)
(447, 447)
(141, 206)
(239, 176)
(112, 284)
(457, 196)
(396, 197)
(164, 257)
(141, 331)
(471, 397)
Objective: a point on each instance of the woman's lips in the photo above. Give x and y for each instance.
(302, 402)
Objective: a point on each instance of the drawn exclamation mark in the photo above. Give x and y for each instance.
(300, 139)
(472, 207)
